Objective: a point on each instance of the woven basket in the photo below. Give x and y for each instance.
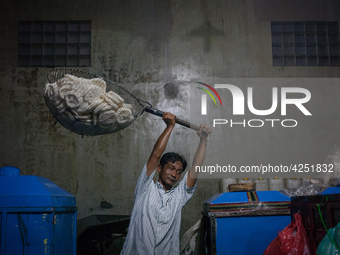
(242, 187)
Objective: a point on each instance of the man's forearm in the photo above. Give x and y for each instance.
(161, 142)
(158, 149)
(198, 161)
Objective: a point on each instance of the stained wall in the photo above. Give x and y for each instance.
(155, 49)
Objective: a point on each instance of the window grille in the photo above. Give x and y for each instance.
(305, 43)
(54, 43)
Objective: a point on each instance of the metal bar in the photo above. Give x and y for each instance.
(3, 233)
(75, 230)
(213, 234)
(251, 213)
(330, 216)
(179, 121)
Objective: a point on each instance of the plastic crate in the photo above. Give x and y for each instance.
(307, 206)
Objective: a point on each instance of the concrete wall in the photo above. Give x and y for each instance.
(142, 45)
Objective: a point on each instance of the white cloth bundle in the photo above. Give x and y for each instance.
(83, 105)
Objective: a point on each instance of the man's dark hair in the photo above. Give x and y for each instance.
(173, 157)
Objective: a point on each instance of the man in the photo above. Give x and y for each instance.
(156, 215)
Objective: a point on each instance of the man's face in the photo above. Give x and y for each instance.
(170, 173)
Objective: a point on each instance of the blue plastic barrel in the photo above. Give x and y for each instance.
(36, 216)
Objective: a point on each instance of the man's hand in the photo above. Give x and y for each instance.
(169, 119)
(204, 132)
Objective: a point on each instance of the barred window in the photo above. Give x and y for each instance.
(305, 43)
(54, 43)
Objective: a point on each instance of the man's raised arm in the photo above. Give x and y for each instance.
(161, 143)
(203, 133)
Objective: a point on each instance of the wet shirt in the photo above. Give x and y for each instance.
(156, 217)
